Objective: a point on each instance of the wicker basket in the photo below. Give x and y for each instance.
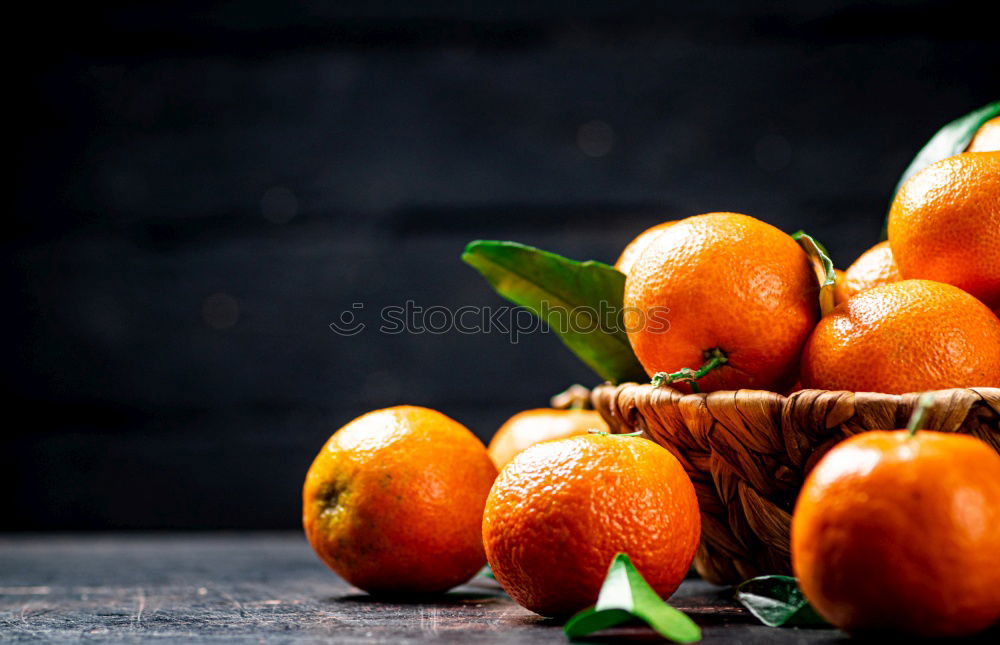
(748, 451)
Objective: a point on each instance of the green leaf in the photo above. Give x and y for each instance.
(590, 621)
(625, 596)
(555, 288)
(486, 572)
(823, 266)
(777, 601)
(947, 142)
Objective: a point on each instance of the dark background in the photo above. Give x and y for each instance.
(201, 188)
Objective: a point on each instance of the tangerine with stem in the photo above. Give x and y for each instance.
(899, 531)
(721, 301)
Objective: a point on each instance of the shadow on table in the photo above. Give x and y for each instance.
(448, 599)
(472, 609)
(477, 591)
(991, 636)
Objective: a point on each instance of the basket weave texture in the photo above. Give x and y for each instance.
(748, 451)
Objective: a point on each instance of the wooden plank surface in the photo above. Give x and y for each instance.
(270, 587)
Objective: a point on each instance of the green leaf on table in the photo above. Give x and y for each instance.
(777, 601)
(559, 291)
(947, 142)
(823, 266)
(626, 596)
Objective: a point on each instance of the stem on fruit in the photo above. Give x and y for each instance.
(713, 358)
(575, 397)
(637, 433)
(924, 403)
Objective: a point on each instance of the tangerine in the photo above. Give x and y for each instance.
(394, 501)
(840, 287)
(872, 268)
(725, 290)
(635, 248)
(527, 428)
(561, 510)
(987, 138)
(901, 533)
(944, 224)
(905, 336)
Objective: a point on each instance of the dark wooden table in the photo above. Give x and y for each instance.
(270, 587)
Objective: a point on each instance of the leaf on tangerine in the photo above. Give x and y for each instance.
(950, 140)
(823, 266)
(557, 289)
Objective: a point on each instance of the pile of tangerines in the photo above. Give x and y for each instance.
(893, 530)
(914, 312)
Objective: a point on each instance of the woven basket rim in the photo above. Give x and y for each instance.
(748, 391)
(987, 395)
(748, 451)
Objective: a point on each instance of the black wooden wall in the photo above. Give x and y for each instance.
(201, 188)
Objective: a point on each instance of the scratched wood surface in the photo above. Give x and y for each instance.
(270, 587)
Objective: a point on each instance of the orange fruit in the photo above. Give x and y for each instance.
(722, 284)
(899, 533)
(394, 501)
(840, 287)
(635, 248)
(527, 428)
(944, 224)
(906, 336)
(561, 510)
(987, 138)
(872, 268)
